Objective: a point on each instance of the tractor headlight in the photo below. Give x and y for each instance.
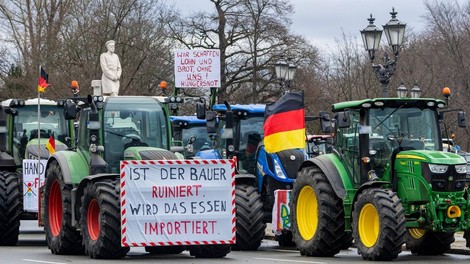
(93, 148)
(461, 168)
(278, 170)
(437, 168)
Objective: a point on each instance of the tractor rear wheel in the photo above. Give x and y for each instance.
(421, 242)
(10, 208)
(62, 238)
(164, 250)
(100, 219)
(209, 251)
(250, 226)
(317, 215)
(378, 222)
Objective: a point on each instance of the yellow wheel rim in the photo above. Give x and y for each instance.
(416, 233)
(369, 225)
(307, 213)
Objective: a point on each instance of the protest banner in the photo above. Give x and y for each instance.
(197, 68)
(177, 202)
(33, 178)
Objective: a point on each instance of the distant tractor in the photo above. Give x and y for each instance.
(190, 133)
(387, 182)
(81, 196)
(23, 138)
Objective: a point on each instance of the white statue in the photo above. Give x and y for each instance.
(111, 68)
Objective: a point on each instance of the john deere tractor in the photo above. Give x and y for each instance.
(23, 135)
(81, 197)
(387, 182)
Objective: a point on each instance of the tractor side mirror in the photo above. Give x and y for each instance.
(211, 121)
(462, 121)
(228, 130)
(325, 122)
(70, 110)
(343, 120)
(200, 110)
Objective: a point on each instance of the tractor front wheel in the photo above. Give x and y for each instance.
(62, 238)
(10, 208)
(421, 242)
(317, 215)
(378, 222)
(250, 225)
(100, 219)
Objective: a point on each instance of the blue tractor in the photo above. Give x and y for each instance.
(239, 133)
(190, 133)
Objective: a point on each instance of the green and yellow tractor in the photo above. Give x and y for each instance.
(387, 182)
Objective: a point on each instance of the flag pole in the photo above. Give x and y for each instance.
(39, 128)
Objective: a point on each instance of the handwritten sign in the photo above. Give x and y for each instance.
(177, 202)
(33, 178)
(197, 68)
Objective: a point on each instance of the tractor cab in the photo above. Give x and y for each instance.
(24, 133)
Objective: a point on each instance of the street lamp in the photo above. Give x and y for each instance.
(285, 71)
(394, 31)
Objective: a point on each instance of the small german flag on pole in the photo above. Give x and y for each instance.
(43, 81)
(284, 123)
(51, 145)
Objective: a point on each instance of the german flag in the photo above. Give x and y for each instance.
(43, 80)
(284, 123)
(51, 145)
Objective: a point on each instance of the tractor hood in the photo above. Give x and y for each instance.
(431, 156)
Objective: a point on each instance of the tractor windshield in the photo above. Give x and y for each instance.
(250, 127)
(128, 119)
(411, 128)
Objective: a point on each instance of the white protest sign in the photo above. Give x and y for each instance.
(177, 202)
(197, 68)
(33, 178)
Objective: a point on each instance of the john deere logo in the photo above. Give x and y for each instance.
(451, 178)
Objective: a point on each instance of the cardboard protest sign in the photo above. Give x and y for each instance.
(33, 178)
(197, 68)
(177, 202)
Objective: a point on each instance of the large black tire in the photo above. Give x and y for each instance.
(421, 242)
(209, 251)
(100, 219)
(11, 200)
(250, 226)
(62, 238)
(317, 215)
(378, 221)
(164, 250)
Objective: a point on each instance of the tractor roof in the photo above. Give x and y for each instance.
(191, 120)
(390, 102)
(250, 108)
(33, 101)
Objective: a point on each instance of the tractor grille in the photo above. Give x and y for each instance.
(450, 181)
(291, 160)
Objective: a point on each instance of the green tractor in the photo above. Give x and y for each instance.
(81, 195)
(387, 182)
(23, 140)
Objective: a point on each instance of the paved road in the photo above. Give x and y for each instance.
(33, 249)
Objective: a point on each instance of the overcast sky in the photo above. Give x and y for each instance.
(322, 21)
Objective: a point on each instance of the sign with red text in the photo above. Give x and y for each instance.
(33, 178)
(177, 202)
(197, 68)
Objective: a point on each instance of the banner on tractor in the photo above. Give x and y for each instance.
(33, 178)
(199, 68)
(281, 211)
(177, 202)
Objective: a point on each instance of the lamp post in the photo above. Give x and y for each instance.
(394, 31)
(285, 71)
